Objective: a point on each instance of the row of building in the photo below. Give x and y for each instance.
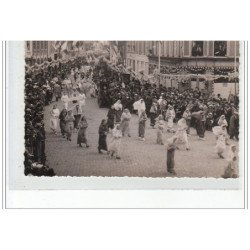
(140, 55)
(204, 63)
(40, 51)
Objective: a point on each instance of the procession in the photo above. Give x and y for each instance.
(105, 116)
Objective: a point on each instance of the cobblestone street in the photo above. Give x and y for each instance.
(137, 158)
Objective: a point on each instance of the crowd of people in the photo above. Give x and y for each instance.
(42, 86)
(124, 94)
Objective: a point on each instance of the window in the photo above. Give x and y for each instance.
(197, 48)
(186, 49)
(34, 45)
(220, 48)
(28, 46)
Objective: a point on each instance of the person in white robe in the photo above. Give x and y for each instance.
(68, 86)
(54, 118)
(222, 121)
(82, 99)
(160, 126)
(65, 100)
(222, 139)
(170, 115)
(125, 122)
(181, 133)
(115, 143)
(118, 105)
(139, 106)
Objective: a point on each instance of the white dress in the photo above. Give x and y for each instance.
(54, 117)
(181, 132)
(65, 100)
(221, 141)
(139, 106)
(82, 100)
(170, 116)
(115, 143)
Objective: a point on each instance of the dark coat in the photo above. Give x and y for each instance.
(102, 142)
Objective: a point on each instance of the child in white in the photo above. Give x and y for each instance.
(222, 141)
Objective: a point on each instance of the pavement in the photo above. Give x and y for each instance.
(138, 158)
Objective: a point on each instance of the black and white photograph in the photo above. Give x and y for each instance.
(132, 108)
(124, 125)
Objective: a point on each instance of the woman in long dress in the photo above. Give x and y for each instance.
(118, 111)
(153, 114)
(69, 124)
(200, 118)
(111, 118)
(142, 125)
(65, 100)
(82, 100)
(115, 143)
(54, 118)
(62, 117)
(160, 126)
(103, 131)
(81, 136)
(125, 120)
(234, 126)
(181, 133)
(170, 115)
(171, 147)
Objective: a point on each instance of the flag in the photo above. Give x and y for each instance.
(74, 43)
(56, 44)
(64, 47)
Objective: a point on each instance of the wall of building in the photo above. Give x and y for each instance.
(39, 51)
(208, 54)
(225, 89)
(137, 62)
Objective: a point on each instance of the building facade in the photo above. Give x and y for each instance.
(197, 59)
(137, 56)
(40, 51)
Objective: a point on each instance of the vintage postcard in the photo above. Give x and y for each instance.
(127, 112)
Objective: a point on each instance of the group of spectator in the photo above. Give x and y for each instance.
(114, 86)
(43, 86)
